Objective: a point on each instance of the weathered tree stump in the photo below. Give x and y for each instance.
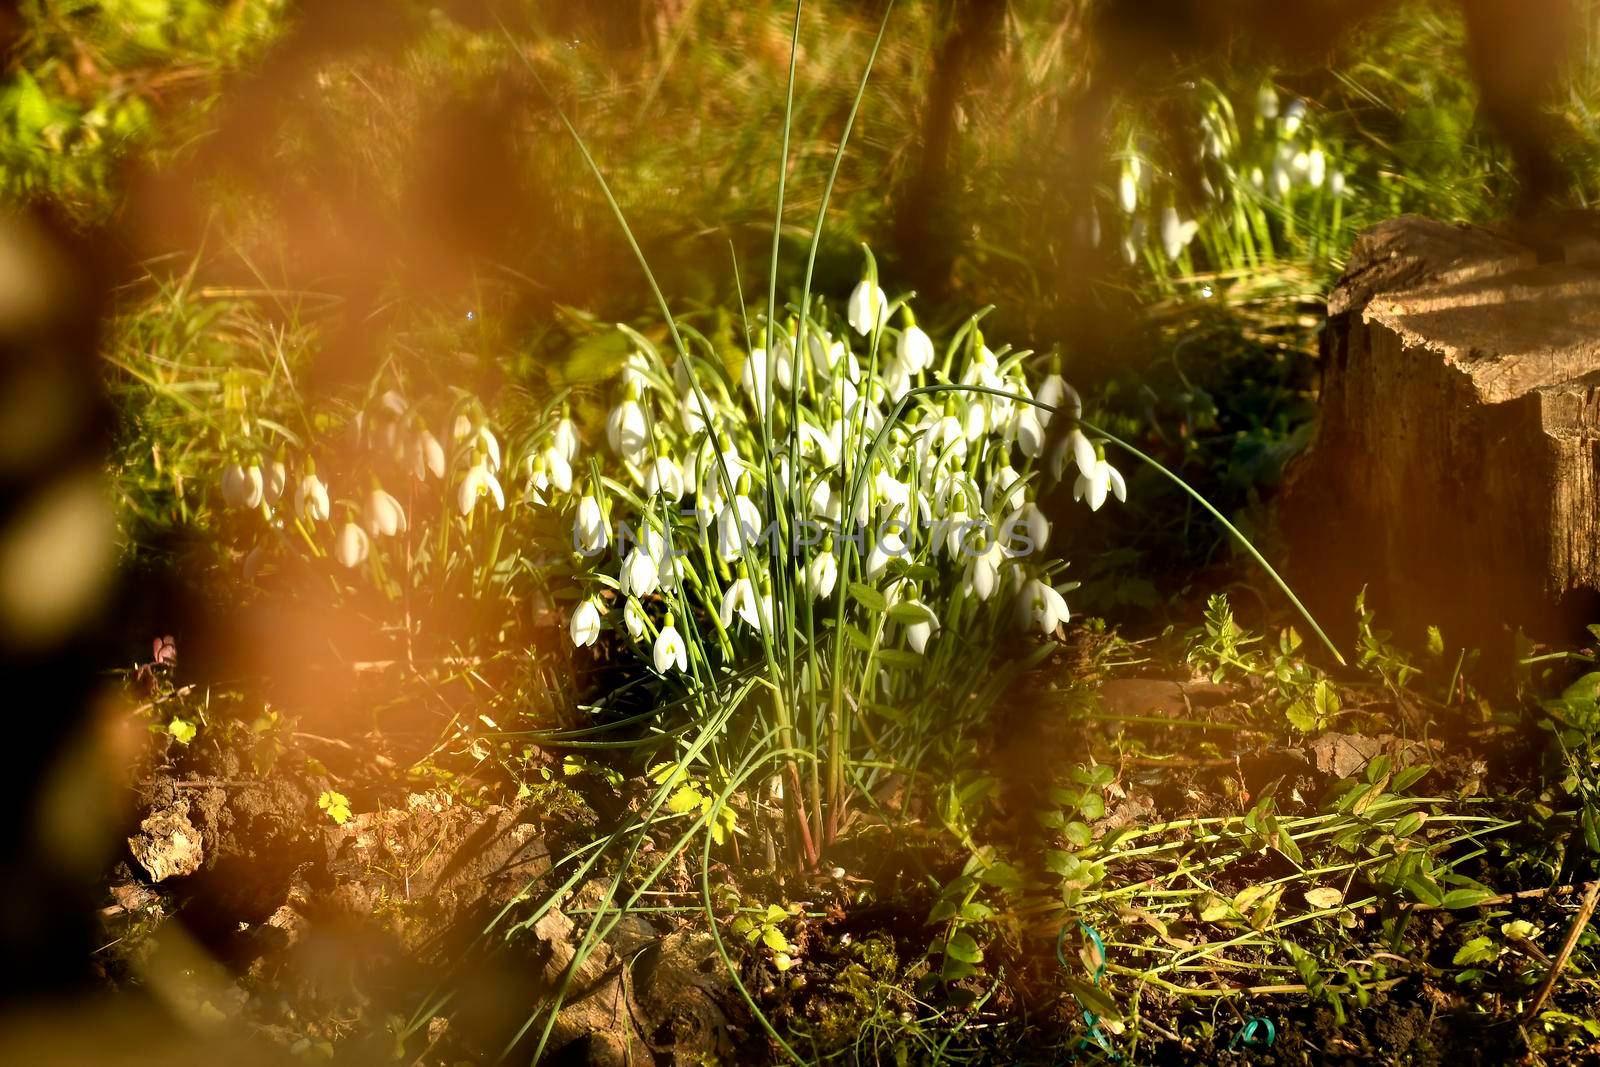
(1456, 466)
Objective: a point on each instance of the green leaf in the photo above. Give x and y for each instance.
(1092, 806)
(181, 730)
(684, 799)
(1077, 834)
(1410, 776)
(1464, 898)
(1479, 950)
(962, 947)
(773, 938)
(336, 805)
(900, 660)
(910, 613)
(860, 640)
(1094, 999)
(869, 598)
(1324, 897)
(1435, 642)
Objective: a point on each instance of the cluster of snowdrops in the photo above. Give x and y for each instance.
(725, 500)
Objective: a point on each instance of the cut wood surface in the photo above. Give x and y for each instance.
(1455, 468)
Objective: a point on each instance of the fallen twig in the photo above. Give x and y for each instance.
(1579, 921)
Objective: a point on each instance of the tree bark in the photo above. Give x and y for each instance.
(1456, 466)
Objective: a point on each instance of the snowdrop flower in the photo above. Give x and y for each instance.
(585, 627)
(589, 533)
(636, 371)
(1040, 606)
(897, 380)
(918, 633)
(383, 515)
(1133, 242)
(1176, 233)
(1293, 115)
(640, 576)
(1052, 392)
(626, 429)
(829, 356)
(1128, 186)
(478, 482)
(1267, 102)
(427, 455)
(564, 439)
(999, 492)
(822, 573)
(1026, 530)
(351, 546)
(738, 527)
(1281, 180)
(983, 574)
(670, 650)
(754, 375)
(1028, 428)
(914, 350)
(464, 430)
(889, 545)
(242, 486)
(633, 619)
(664, 477)
(740, 599)
(311, 498)
(869, 307)
(1316, 168)
(1336, 184)
(1095, 480)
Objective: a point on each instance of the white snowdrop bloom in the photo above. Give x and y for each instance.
(822, 574)
(664, 478)
(738, 526)
(1093, 484)
(633, 619)
(824, 444)
(829, 356)
(242, 486)
(585, 627)
(709, 471)
(823, 502)
(383, 515)
(478, 482)
(696, 410)
(941, 438)
(740, 599)
(1025, 531)
(894, 493)
(1083, 451)
(274, 479)
(890, 544)
(1316, 168)
(392, 402)
(1001, 491)
(918, 633)
(1176, 233)
(1028, 430)
(558, 469)
(1293, 116)
(589, 533)
(311, 498)
(1282, 180)
(754, 375)
(983, 573)
(636, 371)
(1039, 606)
(564, 439)
(1052, 392)
(1133, 241)
(670, 651)
(897, 380)
(427, 455)
(464, 430)
(953, 535)
(869, 307)
(351, 546)
(640, 576)
(1336, 184)
(914, 350)
(1267, 102)
(626, 430)
(1128, 186)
